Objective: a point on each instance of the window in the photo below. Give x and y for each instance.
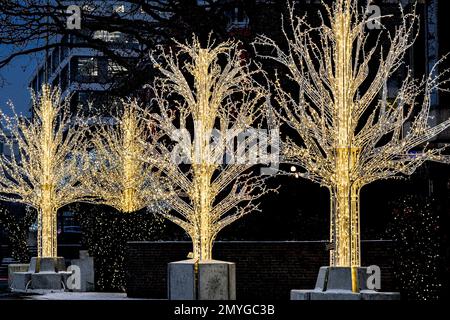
(84, 100)
(106, 36)
(86, 8)
(41, 78)
(55, 59)
(114, 68)
(100, 35)
(48, 67)
(87, 67)
(238, 18)
(64, 53)
(64, 78)
(91, 101)
(119, 8)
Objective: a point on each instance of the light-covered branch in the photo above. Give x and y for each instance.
(349, 132)
(41, 168)
(118, 171)
(205, 101)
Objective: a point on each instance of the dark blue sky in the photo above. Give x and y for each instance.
(16, 76)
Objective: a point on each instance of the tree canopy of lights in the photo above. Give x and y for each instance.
(106, 233)
(42, 170)
(16, 220)
(206, 94)
(120, 173)
(417, 261)
(350, 134)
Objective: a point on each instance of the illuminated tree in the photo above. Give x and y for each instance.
(349, 133)
(42, 170)
(121, 173)
(203, 107)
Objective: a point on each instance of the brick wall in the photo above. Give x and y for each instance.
(264, 270)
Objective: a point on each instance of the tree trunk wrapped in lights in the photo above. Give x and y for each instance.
(350, 134)
(121, 173)
(200, 101)
(42, 170)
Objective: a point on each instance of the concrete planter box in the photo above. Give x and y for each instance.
(205, 280)
(42, 274)
(335, 283)
(86, 266)
(19, 267)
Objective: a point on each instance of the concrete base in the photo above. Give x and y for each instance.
(16, 267)
(335, 283)
(343, 295)
(205, 280)
(20, 281)
(47, 281)
(86, 265)
(47, 274)
(323, 295)
(47, 264)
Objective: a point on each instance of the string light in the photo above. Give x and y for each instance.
(119, 173)
(415, 230)
(345, 144)
(198, 93)
(42, 169)
(17, 227)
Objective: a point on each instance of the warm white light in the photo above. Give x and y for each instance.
(351, 135)
(210, 194)
(45, 172)
(121, 175)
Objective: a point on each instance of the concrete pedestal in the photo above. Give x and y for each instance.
(43, 274)
(205, 280)
(47, 281)
(86, 265)
(16, 267)
(20, 281)
(335, 283)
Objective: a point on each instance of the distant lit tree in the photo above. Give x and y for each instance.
(120, 172)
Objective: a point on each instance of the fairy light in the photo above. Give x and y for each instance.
(415, 231)
(43, 171)
(210, 194)
(345, 144)
(120, 175)
(17, 227)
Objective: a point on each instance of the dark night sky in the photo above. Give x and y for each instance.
(14, 81)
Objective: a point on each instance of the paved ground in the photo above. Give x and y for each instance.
(5, 295)
(81, 296)
(67, 296)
